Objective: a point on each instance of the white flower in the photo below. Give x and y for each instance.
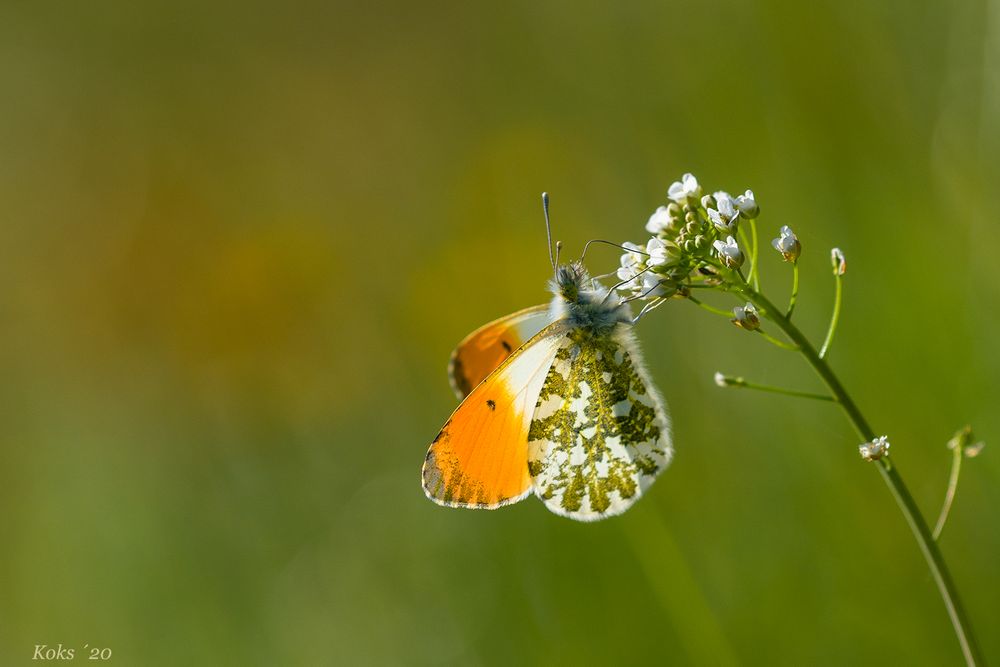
(680, 191)
(729, 252)
(746, 317)
(721, 380)
(876, 449)
(633, 255)
(787, 244)
(747, 205)
(633, 262)
(628, 277)
(660, 221)
(658, 252)
(839, 262)
(724, 218)
(651, 285)
(639, 282)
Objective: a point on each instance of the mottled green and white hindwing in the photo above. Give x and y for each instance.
(600, 434)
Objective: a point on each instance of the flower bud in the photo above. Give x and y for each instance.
(745, 317)
(747, 205)
(838, 261)
(963, 440)
(876, 449)
(787, 244)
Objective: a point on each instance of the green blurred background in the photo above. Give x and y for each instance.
(239, 241)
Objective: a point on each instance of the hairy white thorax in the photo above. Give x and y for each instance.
(584, 303)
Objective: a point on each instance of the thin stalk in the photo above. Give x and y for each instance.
(774, 341)
(795, 290)
(712, 309)
(891, 477)
(752, 276)
(740, 382)
(833, 318)
(949, 495)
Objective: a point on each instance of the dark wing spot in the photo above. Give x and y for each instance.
(506, 346)
(491, 404)
(443, 432)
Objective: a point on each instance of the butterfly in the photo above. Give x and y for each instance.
(556, 401)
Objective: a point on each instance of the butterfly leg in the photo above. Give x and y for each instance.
(652, 305)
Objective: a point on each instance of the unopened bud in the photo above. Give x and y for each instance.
(838, 261)
(745, 317)
(787, 244)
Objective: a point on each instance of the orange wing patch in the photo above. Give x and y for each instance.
(482, 351)
(480, 457)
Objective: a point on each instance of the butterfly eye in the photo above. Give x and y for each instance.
(568, 282)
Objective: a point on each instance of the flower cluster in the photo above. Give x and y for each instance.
(694, 239)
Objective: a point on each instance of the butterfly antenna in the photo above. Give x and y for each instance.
(610, 243)
(553, 258)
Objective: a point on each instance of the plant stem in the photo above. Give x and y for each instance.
(833, 318)
(949, 496)
(890, 475)
(712, 309)
(795, 290)
(753, 259)
(740, 382)
(774, 341)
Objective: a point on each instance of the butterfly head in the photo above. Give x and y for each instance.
(584, 302)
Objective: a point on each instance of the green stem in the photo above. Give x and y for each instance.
(740, 382)
(795, 290)
(890, 475)
(712, 309)
(949, 496)
(753, 259)
(833, 318)
(774, 341)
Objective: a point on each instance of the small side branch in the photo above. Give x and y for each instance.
(961, 446)
(949, 495)
(729, 381)
(712, 309)
(839, 267)
(774, 341)
(795, 290)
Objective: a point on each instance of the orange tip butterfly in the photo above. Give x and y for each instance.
(556, 402)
